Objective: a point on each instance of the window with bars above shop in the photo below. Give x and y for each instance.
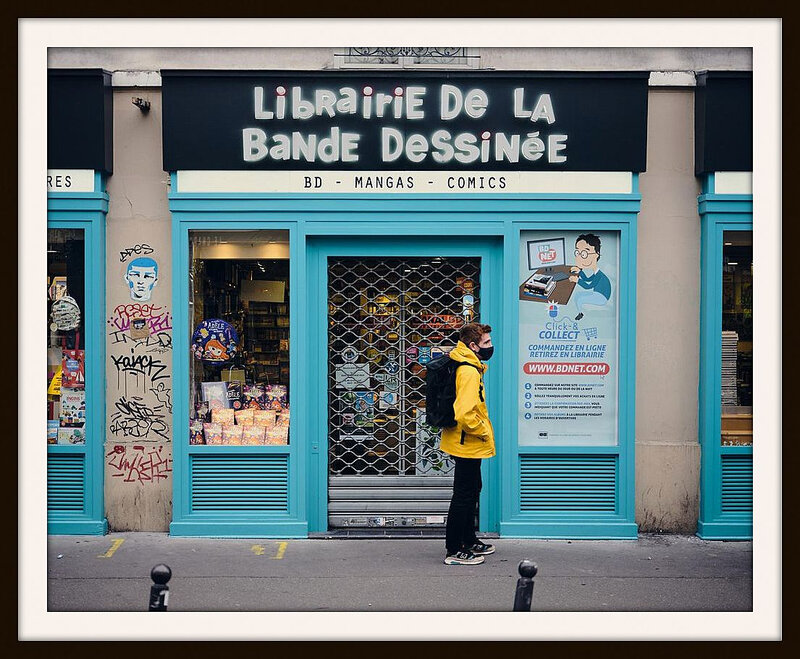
(407, 57)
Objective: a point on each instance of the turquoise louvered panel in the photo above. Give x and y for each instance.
(66, 483)
(566, 483)
(240, 483)
(737, 484)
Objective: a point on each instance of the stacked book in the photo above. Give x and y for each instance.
(729, 354)
(539, 286)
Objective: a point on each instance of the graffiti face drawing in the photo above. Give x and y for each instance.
(142, 276)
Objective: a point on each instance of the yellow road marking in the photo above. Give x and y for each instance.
(258, 550)
(281, 550)
(114, 546)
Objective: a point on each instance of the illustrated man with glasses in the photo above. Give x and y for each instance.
(593, 286)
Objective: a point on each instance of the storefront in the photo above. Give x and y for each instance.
(79, 159)
(331, 233)
(726, 365)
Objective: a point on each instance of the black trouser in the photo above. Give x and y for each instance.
(461, 516)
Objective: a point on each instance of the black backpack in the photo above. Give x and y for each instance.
(440, 394)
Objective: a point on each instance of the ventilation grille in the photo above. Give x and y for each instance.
(243, 483)
(66, 483)
(565, 483)
(737, 484)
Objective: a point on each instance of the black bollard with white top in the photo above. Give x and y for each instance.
(159, 591)
(524, 595)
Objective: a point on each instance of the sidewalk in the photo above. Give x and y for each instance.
(653, 573)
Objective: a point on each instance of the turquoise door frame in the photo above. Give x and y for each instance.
(718, 521)
(75, 503)
(319, 223)
(489, 250)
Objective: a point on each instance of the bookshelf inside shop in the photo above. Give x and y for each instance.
(737, 340)
(250, 386)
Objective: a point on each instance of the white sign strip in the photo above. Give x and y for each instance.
(405, 182)
(70, 180)
(733, 182)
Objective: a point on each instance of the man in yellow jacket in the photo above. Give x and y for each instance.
(468, 442)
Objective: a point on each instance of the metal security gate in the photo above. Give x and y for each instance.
(387, 318)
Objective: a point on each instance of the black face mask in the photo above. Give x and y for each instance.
(485, 353)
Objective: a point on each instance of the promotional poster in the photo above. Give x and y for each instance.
(568, 353)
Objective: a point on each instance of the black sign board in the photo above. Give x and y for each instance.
(431, 120)
(723, 123)
(79, 119)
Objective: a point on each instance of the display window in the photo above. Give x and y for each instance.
(737, 339)
(239, 337)
(66, 356)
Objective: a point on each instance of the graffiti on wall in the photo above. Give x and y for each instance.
(152, 317)
(140, 342)
(126, 253)
(139, 463)
(134, 418)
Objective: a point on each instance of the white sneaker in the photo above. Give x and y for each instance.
(463, 558)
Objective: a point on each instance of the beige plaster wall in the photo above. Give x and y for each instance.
(138, 449)
(308, 58)
(667, 327)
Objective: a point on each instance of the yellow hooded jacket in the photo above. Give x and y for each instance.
(472, 417)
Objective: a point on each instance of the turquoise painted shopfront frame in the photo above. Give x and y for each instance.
(76, 473)
(718, 213)
(328, 224)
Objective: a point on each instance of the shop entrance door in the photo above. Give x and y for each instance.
(387, 317)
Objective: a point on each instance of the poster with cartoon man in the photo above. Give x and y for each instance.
(593, 287)
(568, 338)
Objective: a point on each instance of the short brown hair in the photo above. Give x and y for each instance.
(472, 333)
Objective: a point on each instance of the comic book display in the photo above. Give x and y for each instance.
(239, 361)
(66, 357)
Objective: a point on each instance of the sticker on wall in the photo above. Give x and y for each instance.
(392, 367)
(65, 313)
(139, 328)
(141, 276)
(214, 341)
(349, 354)
(411, 354)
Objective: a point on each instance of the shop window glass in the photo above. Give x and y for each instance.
(66, 358)
(737, 338)
(239, 325)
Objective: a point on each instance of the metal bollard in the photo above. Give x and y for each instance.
(159, 591)
(524, 595)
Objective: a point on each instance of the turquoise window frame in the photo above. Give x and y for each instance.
(291, 524)
(718, 213)
(87, 211)
(316, 223)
